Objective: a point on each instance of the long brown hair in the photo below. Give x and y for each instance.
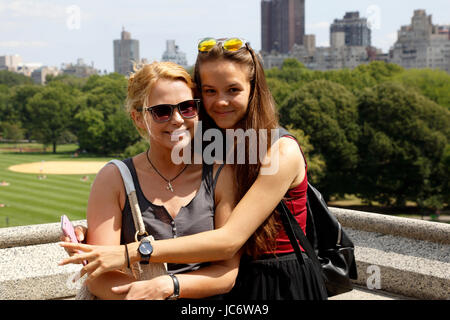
(261, 114)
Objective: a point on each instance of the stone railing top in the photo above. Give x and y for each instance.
(32, 234)
(399, 226)
(359, 220)
(412, 257)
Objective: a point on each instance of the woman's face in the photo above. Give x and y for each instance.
(225, 91)
(173, 132)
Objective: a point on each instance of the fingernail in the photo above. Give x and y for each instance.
(77, 277)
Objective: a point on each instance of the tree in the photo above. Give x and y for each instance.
(327, 113)
(102, 125)
(70, 80)
(50, 112)
(13, 79)
(280, 90)
(12, 131)
(315, 162)
(91, 128)
(20, 96)
(433, 84)
(7, 112)
(139, 147)
(445, 165)
(120, 132)
(379, 71)
(399, 135)
(404, 136)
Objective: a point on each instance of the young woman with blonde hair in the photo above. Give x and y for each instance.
(175, 199)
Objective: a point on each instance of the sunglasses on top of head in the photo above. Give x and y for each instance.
(228, 44)
(163, 112)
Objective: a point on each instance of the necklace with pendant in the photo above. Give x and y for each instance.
(169, 184)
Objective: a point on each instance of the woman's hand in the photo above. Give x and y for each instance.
(80, 233)
(100, 258)
(158, 288)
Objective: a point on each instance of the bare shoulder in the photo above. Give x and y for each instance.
(225, 181)
(109, 175)
(104, 210)
(289, 148)
(108, 187)
(286, 154)
(226, 174)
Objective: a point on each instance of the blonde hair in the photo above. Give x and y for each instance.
(141, 81)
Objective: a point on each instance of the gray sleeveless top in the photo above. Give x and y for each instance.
(197, 216)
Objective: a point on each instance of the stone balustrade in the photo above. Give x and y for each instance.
(402, 257)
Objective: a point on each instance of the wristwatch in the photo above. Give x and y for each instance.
(145, 249)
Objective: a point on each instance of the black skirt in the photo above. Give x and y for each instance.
(278, 278)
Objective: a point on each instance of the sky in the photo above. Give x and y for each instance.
(53, 32)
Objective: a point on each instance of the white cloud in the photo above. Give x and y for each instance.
(22, 44)
(27, 8)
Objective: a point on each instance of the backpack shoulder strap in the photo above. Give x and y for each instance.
(131, 193)
(126, 175)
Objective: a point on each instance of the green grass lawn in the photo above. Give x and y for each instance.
(28, 200)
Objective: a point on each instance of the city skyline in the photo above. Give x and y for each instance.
(56, 32)
(282, 25)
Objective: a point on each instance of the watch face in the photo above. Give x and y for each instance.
(145, 248)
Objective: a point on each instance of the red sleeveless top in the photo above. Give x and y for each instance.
(295, 200)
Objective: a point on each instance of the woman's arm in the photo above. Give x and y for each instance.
(222, 243)
(252, 210)
(217, 278)
(104, 218)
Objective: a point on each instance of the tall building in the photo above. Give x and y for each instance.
(282, 25)
(173, 54)
(422, 44)
(355, 30)
(126, 51)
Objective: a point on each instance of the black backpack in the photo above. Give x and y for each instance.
(326, 242)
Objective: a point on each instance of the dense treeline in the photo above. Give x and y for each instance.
(88, 111)
(377, 131)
